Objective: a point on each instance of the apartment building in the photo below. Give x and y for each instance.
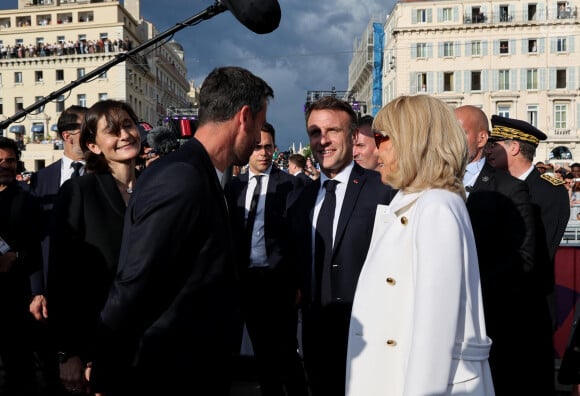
(47, 44)
(512, 58)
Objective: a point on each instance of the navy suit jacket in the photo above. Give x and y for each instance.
(280, 184)
(352, 239)
(303, 177)
(44, 185)
(172, 313)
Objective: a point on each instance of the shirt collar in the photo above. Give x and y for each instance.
(526, 173)
(342, 176)
(252, 174)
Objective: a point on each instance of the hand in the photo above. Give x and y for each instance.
(7, 260)
(38, 307)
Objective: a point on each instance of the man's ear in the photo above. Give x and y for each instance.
(482, 138)
(515, 147)
(245, 116)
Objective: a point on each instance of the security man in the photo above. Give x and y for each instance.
(512, 147)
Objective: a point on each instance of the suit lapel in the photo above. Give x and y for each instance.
(355, 184)
(486, 179)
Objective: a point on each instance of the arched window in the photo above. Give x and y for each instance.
(560, 153)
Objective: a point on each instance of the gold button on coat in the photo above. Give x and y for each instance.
(391, 281)
(404, 220)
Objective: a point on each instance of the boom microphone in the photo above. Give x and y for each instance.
(260, 16)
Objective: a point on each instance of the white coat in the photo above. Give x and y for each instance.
(417, 325)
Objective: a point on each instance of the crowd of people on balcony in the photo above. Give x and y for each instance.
(78, 47)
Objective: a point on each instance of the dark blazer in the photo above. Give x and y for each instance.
(280, 184)
(516, 308)
(44, 185)
(168, 323)
(303, 178)
(84, 251)
(352, 239)
(504, 229)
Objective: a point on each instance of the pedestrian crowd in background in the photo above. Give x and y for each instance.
(332, 263)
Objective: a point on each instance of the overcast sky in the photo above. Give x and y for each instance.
(310, 50)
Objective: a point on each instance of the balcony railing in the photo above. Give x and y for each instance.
(562, 132)
(567, 13)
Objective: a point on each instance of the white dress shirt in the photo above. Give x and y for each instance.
(258, 256)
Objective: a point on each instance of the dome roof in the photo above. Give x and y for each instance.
(176, 45)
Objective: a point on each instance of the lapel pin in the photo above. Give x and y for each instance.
(485, 178)
(355, 181)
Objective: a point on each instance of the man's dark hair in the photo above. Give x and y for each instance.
(366, 120)
(332, 103)
(575, 165)
(298, 159)
(110, 109)
(269, 128)
(69, 119)
(10, 144)
(162, 140)
(226, 90)
(528, 150)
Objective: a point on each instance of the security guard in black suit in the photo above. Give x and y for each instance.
(513, 147)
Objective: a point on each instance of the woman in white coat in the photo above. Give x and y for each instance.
(417, 325)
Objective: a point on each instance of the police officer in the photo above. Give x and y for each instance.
(520, 140)
(512, 147)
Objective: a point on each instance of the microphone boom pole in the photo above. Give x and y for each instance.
(206, 14)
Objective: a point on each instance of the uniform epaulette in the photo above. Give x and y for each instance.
(553, 180)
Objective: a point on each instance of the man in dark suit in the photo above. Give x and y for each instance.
(296, 164)
(267, 283)
(44, 185)
(19, 256)
(170, 321)
(328, 276)
(516, 312)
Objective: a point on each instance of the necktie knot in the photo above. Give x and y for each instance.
(330, 185)
(77, 166)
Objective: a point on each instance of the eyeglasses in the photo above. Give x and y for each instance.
(151, 154)
(379, 138)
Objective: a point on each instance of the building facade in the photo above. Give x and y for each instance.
(47, 44)
(511, 58)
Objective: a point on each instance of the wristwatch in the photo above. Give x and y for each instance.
(62, 357)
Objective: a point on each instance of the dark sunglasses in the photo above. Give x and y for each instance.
(379, 138)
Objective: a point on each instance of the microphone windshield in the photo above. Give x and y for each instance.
(260, 16)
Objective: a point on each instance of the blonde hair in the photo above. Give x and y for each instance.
(429, 144)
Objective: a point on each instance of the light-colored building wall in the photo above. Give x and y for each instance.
(150, 80)
(513, 58)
